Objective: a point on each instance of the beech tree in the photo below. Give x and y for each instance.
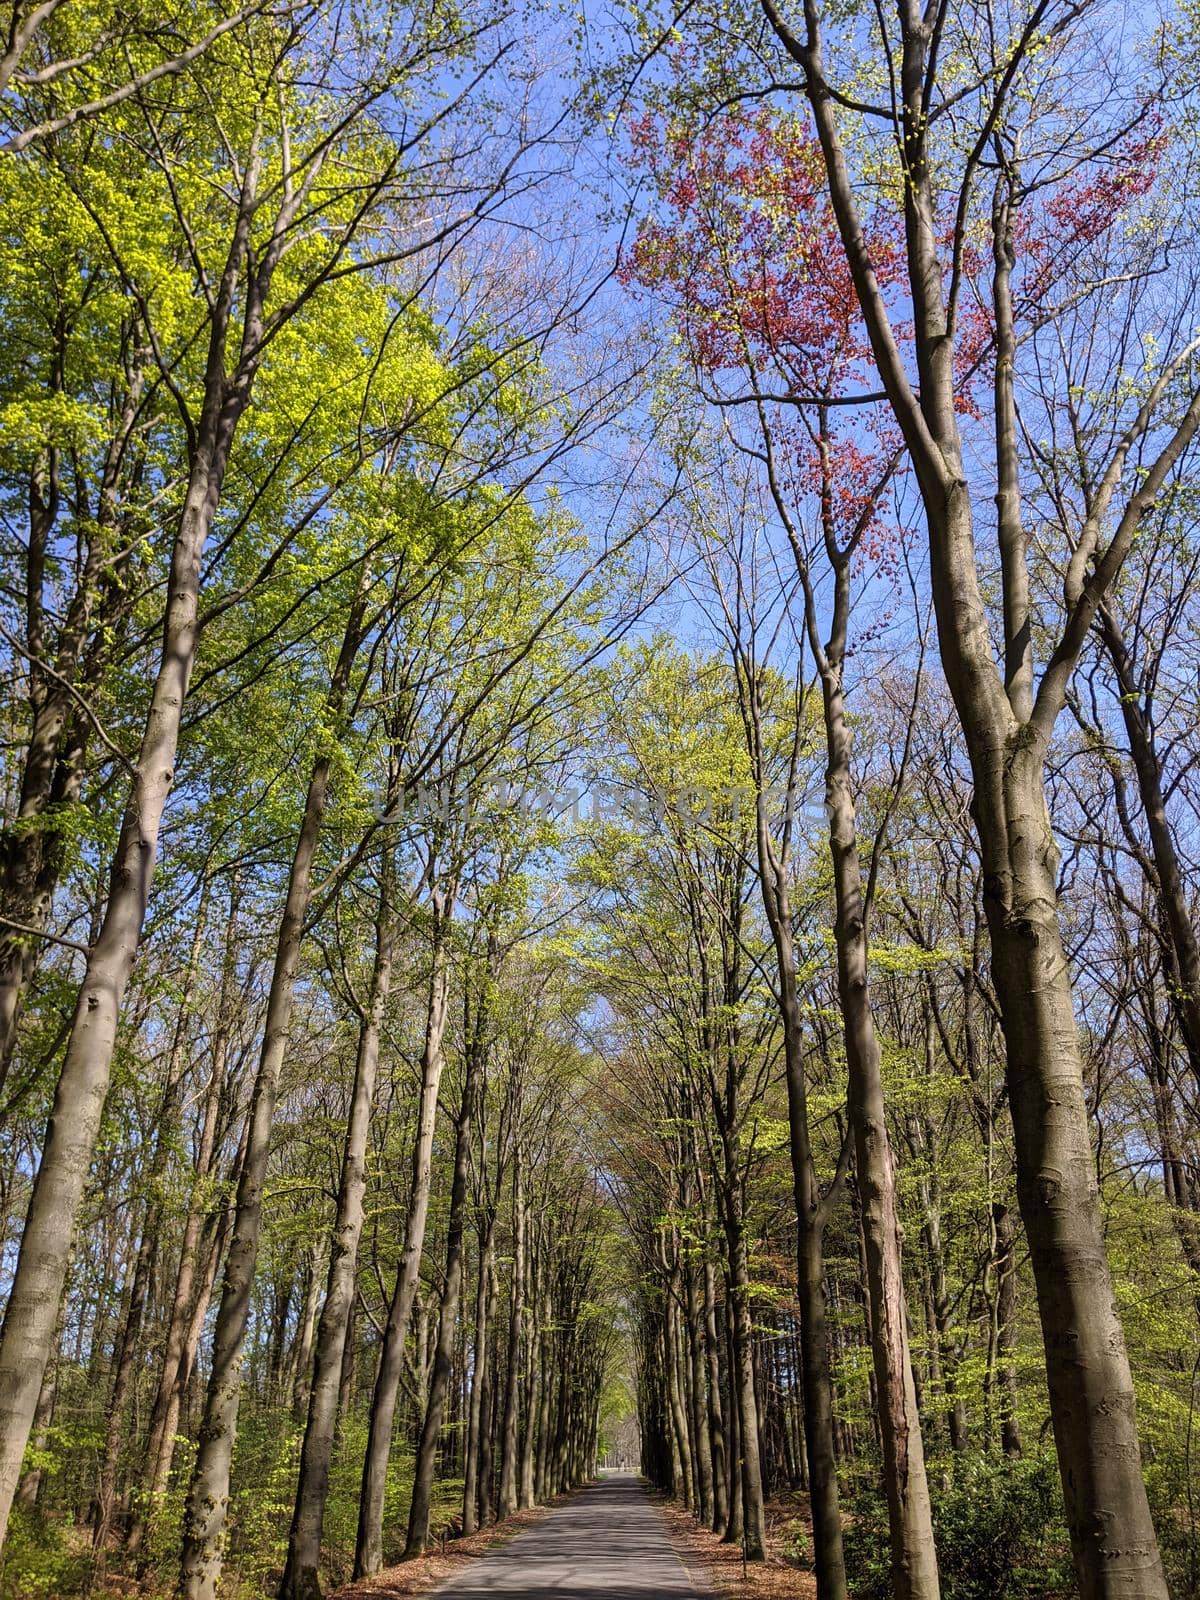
(752, 295)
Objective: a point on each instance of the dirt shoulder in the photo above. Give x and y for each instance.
(717, 1566)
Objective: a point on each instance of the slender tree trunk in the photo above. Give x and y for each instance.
(533, 1384)
(211, 1263)
(914, 1558)
(697, 1372)
(541, 1470)
(125, 1354)
(83, 1082)
(817, 1388)
(811, 1217)
(1178, 933)
(716, 1420)
(475, 1413)
(443, 1357)
(733, 1533)
(368, 1555)
(32, 854)
(748, 1471)
(300, 1580)
(208, 1496)
(939, 1294)
(1006, 1328)
(516, 1317)
(1091, 1387)
(487, 1416)
(165, 1407)
(345, 1388)
(303, 1375)
(676, 1396)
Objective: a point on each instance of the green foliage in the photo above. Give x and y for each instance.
(266, 1464)
(797, 1542)
(43, 1558)
(999, 1532)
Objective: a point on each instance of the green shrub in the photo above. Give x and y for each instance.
(797, 1546)
(999, 1532)
(42, 1558)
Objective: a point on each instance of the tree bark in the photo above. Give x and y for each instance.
(508, 1429)
(443, 1357)
(303, 1375)
(487, 1417)
(368, 1555)
(752, 1527)
(300, 1578)
(526, 1486)
(699, 1408)
(812, 1212)
(1006, 1328)
(716, 1420)
(675, 1397)
(208, 1496)
(31, 854)
(479, 1368)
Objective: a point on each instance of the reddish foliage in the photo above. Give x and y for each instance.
(749, 251)
(746, 249)
(1052, 242)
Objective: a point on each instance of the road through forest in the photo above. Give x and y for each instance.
(606, 1543)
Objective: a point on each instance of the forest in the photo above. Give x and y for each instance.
(600, 858)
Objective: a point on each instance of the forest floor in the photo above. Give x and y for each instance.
(784, 1575)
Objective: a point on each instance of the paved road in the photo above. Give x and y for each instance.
(605, 1544)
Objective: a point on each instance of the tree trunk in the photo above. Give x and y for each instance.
(1177, 934)
(1007, 730)
(733, 1531)
(748, 1471)
(1006, 1328)
(443, 1357)
(716, 1420)
(303, 1375)
(914, 1558)
(32, 854)
(541, 1469)
(811, 1216)
(526, 1493)
(208, 1496)
(475, 1413)
(508, 1431)
(300, 1580)
(1091, 1388)
(679, 1421)
(212, 1260)
(163, 1411)
(147, 1245)
(699, 1408)
(368, 1555)
(487, 1417)
(83, 1081)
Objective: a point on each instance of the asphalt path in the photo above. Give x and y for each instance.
(606, 1543)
